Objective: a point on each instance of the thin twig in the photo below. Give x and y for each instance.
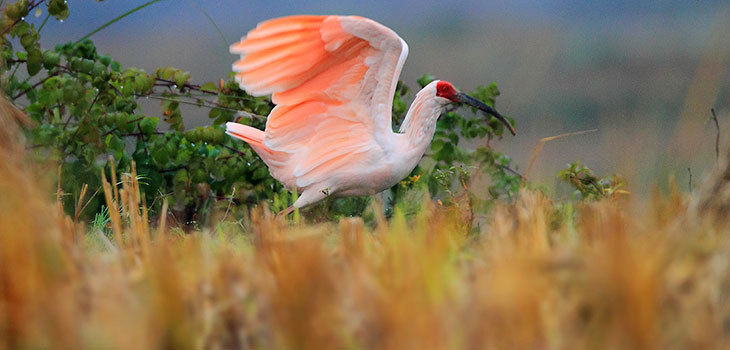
(468, 203)
(43, 24)
(141, 134)
(230, 201)
(128, 122)
(210, 104)
(234, 150)
(196, 87)
(30, 8)
(538, 149)
(203, 104)
(15, 70)
(87, 113)
(161, 229)
(78, 125)
(33, 86)
(79, 202)
(83, 207)
(514, 172)
(250, 115)
(717, 135)
(180, 167)
(689, 170)
(59, 191)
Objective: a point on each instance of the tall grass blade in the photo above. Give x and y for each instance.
(117, 19)
(210, 19)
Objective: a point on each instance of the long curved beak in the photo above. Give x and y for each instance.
(464, 98)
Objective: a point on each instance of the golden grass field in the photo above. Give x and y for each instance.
(604, 275)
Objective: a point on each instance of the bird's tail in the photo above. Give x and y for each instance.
(255, 138)
(252, 136)
(275, 160)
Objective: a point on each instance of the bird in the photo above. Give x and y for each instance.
(332, 79)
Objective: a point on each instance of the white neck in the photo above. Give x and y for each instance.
(417, 130)
(420, 123)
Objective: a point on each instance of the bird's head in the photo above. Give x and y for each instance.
(446, 90)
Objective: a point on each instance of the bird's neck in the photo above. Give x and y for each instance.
(420, 122)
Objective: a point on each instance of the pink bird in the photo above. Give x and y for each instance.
(332, 79)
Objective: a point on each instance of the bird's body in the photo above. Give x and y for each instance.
(374, 170)
(333, 79)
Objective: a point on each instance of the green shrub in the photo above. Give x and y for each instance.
(86, 113)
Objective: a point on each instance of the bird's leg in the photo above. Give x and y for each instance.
(307, 197)
(284, 213)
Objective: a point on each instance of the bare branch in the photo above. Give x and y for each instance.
(689, 170)
(538, 149)
(717, 135)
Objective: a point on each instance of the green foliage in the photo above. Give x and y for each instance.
(85, 108)
(86, 113)
(58, 9)
(589, 186)
(449, 166)
(453, 128)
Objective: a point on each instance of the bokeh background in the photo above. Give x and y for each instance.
(644, 73)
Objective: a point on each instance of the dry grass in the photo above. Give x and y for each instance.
(614, 278)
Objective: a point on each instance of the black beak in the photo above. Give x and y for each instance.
(471, 101)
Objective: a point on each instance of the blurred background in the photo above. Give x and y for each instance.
(644, 73)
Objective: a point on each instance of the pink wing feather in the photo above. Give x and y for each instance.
(333, 80)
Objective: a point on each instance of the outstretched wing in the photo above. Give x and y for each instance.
(332, 79)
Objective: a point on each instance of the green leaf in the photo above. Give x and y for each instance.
(180, 78)
(454, 138)
(199, 175)
(214, 113)
(437, 144)
(183, 156)
(259, 173)
(181, 176)
(17, 10)
(425, 80)
(211, 87)
(86, 66)
(116, 66)
(33, 68)
(98, 69)
(105, 60)
(165, 72)
(148, 124)
(50, 59)
(446, 153)
(58, 9)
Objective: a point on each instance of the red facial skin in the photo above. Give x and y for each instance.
(446, 90)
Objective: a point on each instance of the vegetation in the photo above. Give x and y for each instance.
(535, 276)
(589, 186)
(85, 109)
(179, 247)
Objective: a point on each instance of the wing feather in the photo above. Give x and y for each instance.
(332, 78)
